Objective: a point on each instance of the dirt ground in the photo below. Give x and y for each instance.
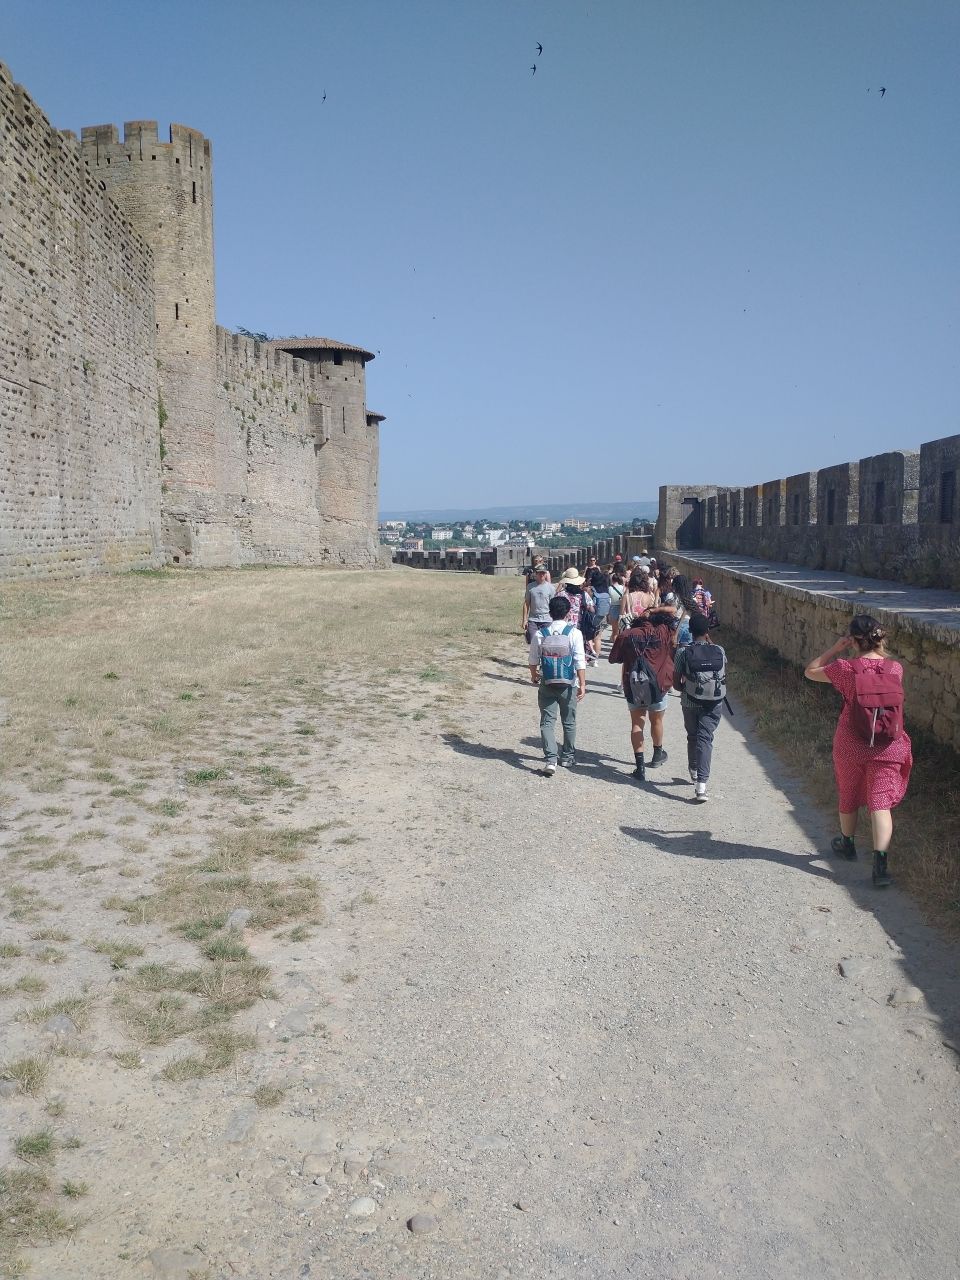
(310, 973)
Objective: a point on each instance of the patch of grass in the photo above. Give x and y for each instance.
(74, 1190)
(55, 1108)
(221, 1048)
(299, 933)
(50, 935)
(28, 985)
(90, 833)
(797, 718)
(167, 808)
(129, 1059)
(29, 1074)
(200, 777)
(54, 811)
(196, 904)
(269, 1095)
(364, 899)
(223, 947)
(117, 950)
(10, 951)
(221, 988)
(236, 851)
(76, 1008)
(349, 976)
(431, 674)
(28, 1217)
(51, 955)
(38, 1147)
(271, 776)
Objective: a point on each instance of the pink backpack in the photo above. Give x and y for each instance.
(876, 712)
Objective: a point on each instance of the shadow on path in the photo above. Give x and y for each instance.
(702, 844)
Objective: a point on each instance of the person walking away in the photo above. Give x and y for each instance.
(638, 597)
(700, 675)
(872, 754)
(599, 582)
(558, 666)
(685, 605)
(536, 602)
(645, 649)
(571, 585)
(618, 586)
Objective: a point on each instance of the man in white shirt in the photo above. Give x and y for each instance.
(558, 665)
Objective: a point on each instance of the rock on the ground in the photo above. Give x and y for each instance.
(240, 1124)
(239, 919)
(422, 1224)
(905, 995)
(362, 1207)
(60, 1025)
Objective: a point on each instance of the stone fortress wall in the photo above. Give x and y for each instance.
(79, 435)
(893, 515)
(133, 430)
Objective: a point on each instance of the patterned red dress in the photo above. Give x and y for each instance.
(871, 777)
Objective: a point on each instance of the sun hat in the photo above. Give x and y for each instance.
(572, 575)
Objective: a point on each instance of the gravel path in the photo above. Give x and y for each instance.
(610, 1031)
(571, 1027)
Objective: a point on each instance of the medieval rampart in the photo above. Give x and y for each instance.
(893, 515)
(79, 434)
(133, 430)
(800, 613)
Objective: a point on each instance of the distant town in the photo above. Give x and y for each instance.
(572, 532)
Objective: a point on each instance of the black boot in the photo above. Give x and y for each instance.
(881, 876)
(640, 772)
(659, 757)
(844, 847)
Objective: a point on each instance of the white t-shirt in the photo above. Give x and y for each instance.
(576, 640)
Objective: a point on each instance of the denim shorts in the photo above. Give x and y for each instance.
(657, 706)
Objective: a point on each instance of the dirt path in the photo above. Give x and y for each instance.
(582, 1029)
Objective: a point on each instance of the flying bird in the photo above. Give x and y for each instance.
(534, 68)
(324, 98)
(539, 48)
(882, 91)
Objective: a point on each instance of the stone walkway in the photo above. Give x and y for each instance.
(920, 606)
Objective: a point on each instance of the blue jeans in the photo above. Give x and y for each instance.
(553, 698)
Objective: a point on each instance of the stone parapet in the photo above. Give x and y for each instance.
(801, 612)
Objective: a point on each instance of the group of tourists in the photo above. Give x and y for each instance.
(661, 636)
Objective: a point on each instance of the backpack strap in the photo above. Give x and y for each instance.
(567, 629)
(544, 628)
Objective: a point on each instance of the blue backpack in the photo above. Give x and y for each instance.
(557, 656)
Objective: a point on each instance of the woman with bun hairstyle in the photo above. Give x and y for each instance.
(868, 776)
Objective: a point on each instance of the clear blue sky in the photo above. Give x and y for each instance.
(693, 247)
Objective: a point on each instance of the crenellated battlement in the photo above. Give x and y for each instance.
(141, 141)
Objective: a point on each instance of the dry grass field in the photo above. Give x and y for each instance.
(188, 760)
(161, 733)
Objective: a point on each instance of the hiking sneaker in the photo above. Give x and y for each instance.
(844, 847)
(659, 757)
(881, 876)
(567, 762)
(549, 769)
(640, 772)
(700, 792)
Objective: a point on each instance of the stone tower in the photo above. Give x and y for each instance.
(165, 190)
(348, 462)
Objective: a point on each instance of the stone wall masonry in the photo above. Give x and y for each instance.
(79, 432)
(272, 409)
(800, 613)
(890, 515)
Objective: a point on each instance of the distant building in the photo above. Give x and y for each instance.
(399, 525)
(494, 537)
(573, 522)
(442, 535)
(412, 544)
(549, 526)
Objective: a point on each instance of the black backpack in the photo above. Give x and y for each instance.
(702, 674)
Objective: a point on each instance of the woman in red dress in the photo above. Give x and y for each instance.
(872, 777)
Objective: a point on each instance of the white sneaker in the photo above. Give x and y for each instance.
(700, 792)
(549, 770)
